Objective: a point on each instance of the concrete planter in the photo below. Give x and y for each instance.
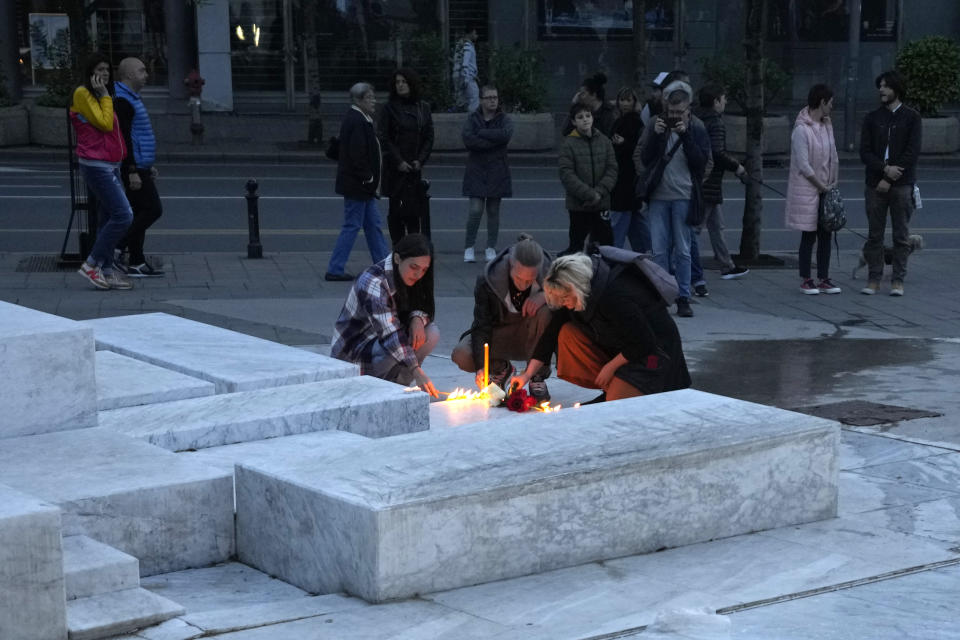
(14, 126)
(48, 126)
(776, 134)
(940, 135)
(531, 132)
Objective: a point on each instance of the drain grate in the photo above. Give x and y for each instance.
(45, 264)
(859, 413)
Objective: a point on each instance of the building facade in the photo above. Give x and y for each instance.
(263, 55)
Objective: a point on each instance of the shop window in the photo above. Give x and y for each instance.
(602, 19)
(829, 20)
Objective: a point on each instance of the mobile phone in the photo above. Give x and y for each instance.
(672, 123)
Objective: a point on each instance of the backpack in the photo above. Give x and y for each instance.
(662, 281)
(831, 216)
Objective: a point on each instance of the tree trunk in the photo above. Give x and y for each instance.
(311, 64)
(639, 43)
(755, 12)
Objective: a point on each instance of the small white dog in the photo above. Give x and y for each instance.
(916, 243)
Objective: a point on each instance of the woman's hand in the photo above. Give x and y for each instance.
(532, 304)
(418, 333)
(595, 199)
(606, 374)
(883, 186)
(404, 167)
(518, 381)
(99, 87)
(425, 383)
(479, 379)
(617, 139)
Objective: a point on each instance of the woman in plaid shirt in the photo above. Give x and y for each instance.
(386, 325)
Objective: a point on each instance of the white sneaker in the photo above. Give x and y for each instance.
(490, 254)
(468, 255)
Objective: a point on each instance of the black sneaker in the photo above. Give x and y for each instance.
(701, 290)
(501, 377)
(337, 277)
(537, 388)
(143, 270)
(683, 308)
(600, 398)
(736, 272)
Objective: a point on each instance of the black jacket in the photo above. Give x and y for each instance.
(358, 168)
(487, 174)
(622, 197)
(625, 314)
(712, 189)
(406, 134)
(903, 129)
(492, 306)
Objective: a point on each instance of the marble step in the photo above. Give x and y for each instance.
(31, 567)
(91, 568)
(169, 512)
(362, 405)
(110, 614)
(232, 361)
(50, 383)
(431, 511)
(127, 382)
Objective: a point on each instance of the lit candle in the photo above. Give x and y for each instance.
(486, 365)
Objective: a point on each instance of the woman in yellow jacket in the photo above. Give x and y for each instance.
(100, 149)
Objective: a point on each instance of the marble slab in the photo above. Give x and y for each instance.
(169, 512)
(426, 512)
(110, 614)
(232, 361)
(332, 445)
(127, 382)
(360, 404)
(50, 383)
(32, 596)
(91, 568)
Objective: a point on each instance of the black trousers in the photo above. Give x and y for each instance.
(822, 239)
(400, 225)
(147, 209)
(595, 224)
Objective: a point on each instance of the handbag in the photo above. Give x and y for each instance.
(647, 183)
(831, 215)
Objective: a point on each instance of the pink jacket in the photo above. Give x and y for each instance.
(98, 131)
(813, 152)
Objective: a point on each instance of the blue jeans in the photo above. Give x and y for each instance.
(631, 225)
(670, 233)
(358, 214)
(696, 269)
(113, 212)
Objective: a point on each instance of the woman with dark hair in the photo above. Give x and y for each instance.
(624, 217)
(593, 93)
(386, 325)
(814, 168)
(406, 134)
(100, 150)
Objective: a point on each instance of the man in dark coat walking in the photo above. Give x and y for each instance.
(358, 181)
(486, 134)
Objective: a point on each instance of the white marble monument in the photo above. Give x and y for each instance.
(50, 384)
(442, 509)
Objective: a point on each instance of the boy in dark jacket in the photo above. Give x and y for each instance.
(713, 102)
(358, 181)
(889, 147)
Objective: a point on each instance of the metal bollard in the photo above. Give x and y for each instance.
(254, 249)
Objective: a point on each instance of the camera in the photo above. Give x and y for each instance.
(672, 122)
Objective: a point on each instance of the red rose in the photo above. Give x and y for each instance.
(517, 401)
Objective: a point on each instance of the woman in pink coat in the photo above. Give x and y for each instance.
(813, 170)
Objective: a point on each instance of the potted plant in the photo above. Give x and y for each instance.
(14, 124)
(931, 68)
(48, 113)
(731, 73)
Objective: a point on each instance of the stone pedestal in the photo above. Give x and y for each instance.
(50, 383)
(32, 595)
(439, 510)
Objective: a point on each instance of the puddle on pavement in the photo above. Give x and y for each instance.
(790, 373)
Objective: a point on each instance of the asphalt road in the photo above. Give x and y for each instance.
(204, 208)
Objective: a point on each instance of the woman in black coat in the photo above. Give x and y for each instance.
(406, 134)
(624, 217)
(611, 330)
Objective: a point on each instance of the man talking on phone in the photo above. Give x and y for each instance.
(680, 141)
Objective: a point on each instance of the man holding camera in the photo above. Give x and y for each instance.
(679, 140)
